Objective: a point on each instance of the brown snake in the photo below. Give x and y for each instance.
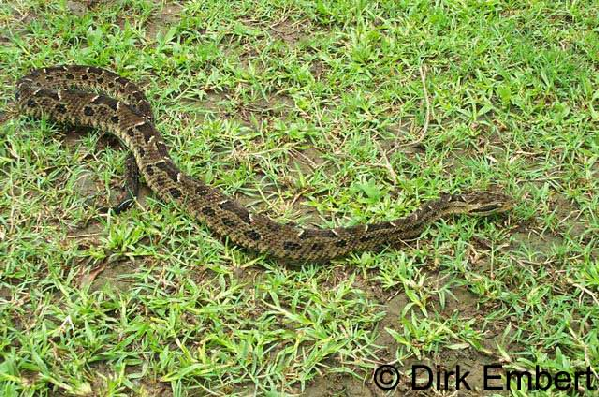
(85, 96)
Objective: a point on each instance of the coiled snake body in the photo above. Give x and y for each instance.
(85, 96)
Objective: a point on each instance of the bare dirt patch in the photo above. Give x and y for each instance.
(110, 276)
(338, 385)
(290, 32)
(169, 15)
(307, 160)
(77, 7)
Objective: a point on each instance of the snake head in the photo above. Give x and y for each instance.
(481, 202)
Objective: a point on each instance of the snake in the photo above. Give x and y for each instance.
(90, 96)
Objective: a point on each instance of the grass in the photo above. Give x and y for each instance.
(314, 112)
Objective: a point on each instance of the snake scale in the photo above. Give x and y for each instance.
(93, 97)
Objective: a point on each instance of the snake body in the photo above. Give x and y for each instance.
(94, 97)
